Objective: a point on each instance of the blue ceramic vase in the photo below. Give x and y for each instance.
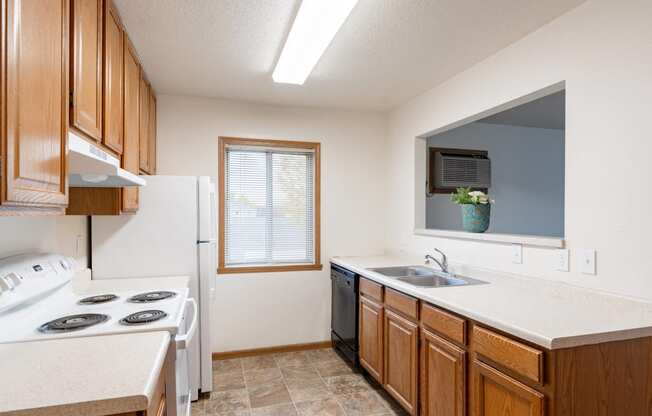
(475, 218)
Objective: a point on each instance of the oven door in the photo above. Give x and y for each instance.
(187, 331)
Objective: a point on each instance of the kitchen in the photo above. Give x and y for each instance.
(204, 72)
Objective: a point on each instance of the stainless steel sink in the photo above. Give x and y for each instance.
(424, 276)
(404, 271)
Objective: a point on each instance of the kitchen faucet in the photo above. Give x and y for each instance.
(443, 264)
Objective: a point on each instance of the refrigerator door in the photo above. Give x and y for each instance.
(159, 240)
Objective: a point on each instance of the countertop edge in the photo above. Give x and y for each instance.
(139, 401)
(111, 406)
(156, 371)
(525, 334)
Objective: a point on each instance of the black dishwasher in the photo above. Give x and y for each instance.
(344, 312)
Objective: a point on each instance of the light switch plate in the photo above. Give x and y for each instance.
(517, 253)
(587, 261)
(562, 260)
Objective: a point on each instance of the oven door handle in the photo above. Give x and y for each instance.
(182, 341)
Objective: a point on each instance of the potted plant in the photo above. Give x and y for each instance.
(476, 209)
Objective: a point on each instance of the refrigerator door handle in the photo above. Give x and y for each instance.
(182, 341)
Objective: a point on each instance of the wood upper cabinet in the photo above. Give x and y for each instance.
(497, 394)
(371, 337)
(144, 124)
(86, 67)
(35, 103)
(152, 132)
(401, 360)
(130, 155)
(113, 79)
(443, 377)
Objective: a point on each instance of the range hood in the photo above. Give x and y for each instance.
(89, 166)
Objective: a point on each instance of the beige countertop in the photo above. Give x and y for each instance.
(550, 314)
(87, 376)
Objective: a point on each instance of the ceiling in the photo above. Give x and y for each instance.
(387, 52)
(548, 112)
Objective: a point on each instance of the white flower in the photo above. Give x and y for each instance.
(477, 193)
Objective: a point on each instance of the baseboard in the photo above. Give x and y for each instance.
(271, 350)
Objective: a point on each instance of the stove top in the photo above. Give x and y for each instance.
(70, 313)
(154, 296)
(97, 299)
(73, 323)
(143, 317)
(38, 301)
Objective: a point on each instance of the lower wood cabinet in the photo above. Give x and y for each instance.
(438, 363)
(401, 360)
(497, 394)
(371, 337)
(443, 377)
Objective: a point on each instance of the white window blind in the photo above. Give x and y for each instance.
(269, 213)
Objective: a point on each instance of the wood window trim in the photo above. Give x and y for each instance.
(223, 142)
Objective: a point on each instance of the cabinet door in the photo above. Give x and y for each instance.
(144, 124)
(130, 155)
(497, 394)
(443, 377)
(35, 102)
(401, 360)
(371, 337)
(86, 65)
(113, 79)
(152, 132)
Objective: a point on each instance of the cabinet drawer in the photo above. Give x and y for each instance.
(509, 353)
(407, 305)
(444, 323)
(371, 289)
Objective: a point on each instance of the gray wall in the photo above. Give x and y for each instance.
(527, 168)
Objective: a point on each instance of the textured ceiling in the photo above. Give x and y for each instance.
(548, 112)
(387, 52)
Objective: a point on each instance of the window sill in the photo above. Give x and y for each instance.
(526, 240)
(269, 269)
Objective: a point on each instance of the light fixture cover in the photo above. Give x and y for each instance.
(313, 29)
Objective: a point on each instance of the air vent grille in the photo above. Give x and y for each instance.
(463, 171)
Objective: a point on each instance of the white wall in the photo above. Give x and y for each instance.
(527, 179)
(61, 234)
(603, 51)
(259, 310)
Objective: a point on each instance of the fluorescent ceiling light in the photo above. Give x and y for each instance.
(313, 29)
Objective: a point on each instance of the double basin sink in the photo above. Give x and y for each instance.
(424, 276)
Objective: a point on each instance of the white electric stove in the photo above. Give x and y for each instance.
(38, 302)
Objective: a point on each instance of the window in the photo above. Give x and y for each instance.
(269, 205)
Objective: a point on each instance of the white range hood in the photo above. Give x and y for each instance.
(89, 166)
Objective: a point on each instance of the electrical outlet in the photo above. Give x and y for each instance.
(517, 253)
(587, 261)
(562, 260)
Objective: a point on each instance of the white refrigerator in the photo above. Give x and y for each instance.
(172, 234)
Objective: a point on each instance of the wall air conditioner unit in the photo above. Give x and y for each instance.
(456, 168)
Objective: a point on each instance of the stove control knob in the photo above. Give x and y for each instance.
(5, 284)
(65, 263)
(14, 279)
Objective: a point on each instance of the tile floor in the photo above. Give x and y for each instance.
(305, 383)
